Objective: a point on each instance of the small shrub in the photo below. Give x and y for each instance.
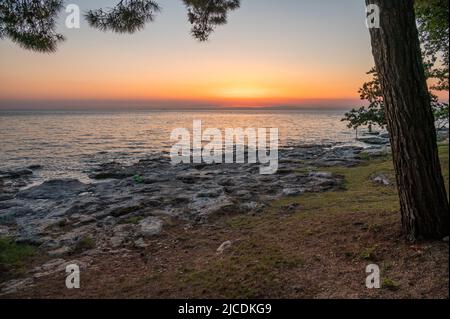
(133, 220)
(13, 255)
(85, 243)
(368, 254)
(390, 284)
(138, 179)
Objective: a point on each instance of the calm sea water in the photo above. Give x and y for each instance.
(69, 144)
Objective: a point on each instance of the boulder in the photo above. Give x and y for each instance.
(150, 226)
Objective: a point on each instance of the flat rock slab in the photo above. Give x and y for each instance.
(134, 200)
(54, 189)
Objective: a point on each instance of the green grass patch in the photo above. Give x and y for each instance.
(390, 284)
(13, 256)
(365, 156)
(361, 194)
(368, 254)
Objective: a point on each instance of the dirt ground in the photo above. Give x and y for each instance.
(312, 246)
(280, 260)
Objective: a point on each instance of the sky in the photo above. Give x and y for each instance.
(272, 53)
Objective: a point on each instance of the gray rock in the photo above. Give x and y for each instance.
(117, 241)
(374, 140)
(4, 231)
(59, 213)
(18, 173)
(5, 197)
(151, 226)
(84, 220)
(111, 175)
(212, 193)
(321, 174)
(373, 133)
(251, 206)
(140, 243)
(381, 179)
(59, 252)
(244, 194)
(293, 191)
(376, 152)
(51, 264)
(54, 189)
(14, 286)
(34, 167)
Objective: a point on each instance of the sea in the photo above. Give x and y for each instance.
(69, 144)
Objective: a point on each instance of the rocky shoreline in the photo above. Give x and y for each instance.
(128, 204)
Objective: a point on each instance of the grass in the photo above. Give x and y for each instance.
(360, 193)
(13, 256)
(272, 243)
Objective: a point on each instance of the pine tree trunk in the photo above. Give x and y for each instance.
(396, 49)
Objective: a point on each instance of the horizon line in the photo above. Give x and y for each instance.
(179, 109)
(174, 105)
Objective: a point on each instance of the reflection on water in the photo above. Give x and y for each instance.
(68, 144)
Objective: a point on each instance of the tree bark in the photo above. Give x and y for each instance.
(421, 187)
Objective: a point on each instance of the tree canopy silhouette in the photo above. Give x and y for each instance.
(32, 23)
(128, 16)
(205, 15)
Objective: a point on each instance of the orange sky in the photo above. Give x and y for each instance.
(271, 53)
(225, 82)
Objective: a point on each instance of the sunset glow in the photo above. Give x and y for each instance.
(267, 64)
